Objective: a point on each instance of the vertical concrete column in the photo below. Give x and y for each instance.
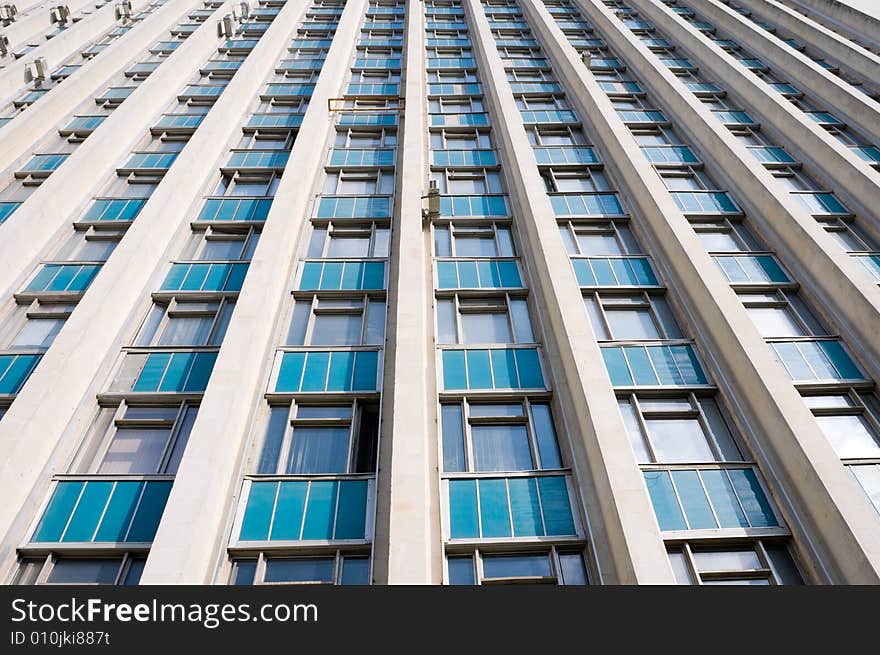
(627, 542)
(74, 38)
(46, 422)
(859, 60)
(844, 169)
(408, 543)
(193, 531)
(841, 285)
(851, 105)
(59, 199)
(36, 23)
(849, 21)
(20, 134)
(834, 525)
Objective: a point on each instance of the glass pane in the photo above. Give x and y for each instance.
(273, 439)
(572, 569)
(680, 568)
(786, 570)
(319, 450)
(322, 411)
(475, 247)
(634, 432)
(461, 570)
(375, 330)
(84, 571)
(522, 325)
(135, 450)
(28, 571)
(631, 324)
(336, 330)
(446, 328)
(485, 328)
(355, 571)
(186, 425)
(744, 581)
(516, 566)
(726, 560)
(501, 448)
(545, 436)
(38, 333)
(453, 438)
(850, 436)
(134, 572)
(718, 427)
(495, 409)
(775, 322)
(243, 572)
(679, 440)
(299, 570)
(186, 331)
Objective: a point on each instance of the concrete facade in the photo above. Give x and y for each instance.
(624, 330)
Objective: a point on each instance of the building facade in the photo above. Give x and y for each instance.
(440, 292)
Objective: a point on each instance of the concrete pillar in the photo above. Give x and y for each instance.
(35, 24)
(627, 542)
(48, 212)
(841, 50)
(74, 38)
(831, 519)
(202, 501)
(848, 103)
(839, 283)
(849, 21)
(46, 422)
(408, 546)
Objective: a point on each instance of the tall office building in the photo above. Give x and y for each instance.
(439, 292)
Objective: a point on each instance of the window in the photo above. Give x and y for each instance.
(473, 241)
(780, 314)
(599, 239)
(574, 181)
(364, 138)
(337, 322)
(678, 430)
(467, 140)
(247, 184)
(340, 568)
(726, 236)
(186, 323)
(216, 244)
(512, 436)
(137, 440)
(467, 181)
(758, 563)
(631, 316)
(850, 422)
(359, 183)
(499, 319)
(338, 241)
(57, 569)
(560, 566)
(318, 439)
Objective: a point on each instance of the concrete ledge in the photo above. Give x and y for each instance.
(849, 21)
